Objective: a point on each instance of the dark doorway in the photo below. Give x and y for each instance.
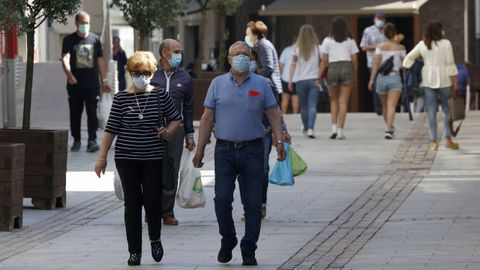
(191, 46)
(405, 25)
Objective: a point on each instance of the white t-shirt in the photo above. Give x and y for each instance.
(308, 69)
(286, 59)
(339, 51)
(398, 56)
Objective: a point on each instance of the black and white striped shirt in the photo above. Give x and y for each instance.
(137, 138)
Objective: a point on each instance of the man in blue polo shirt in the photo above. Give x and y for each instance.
(236, 103)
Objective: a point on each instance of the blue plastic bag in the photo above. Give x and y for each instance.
(282, 173)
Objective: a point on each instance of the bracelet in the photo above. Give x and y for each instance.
(280, 142)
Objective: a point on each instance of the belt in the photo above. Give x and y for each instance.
(241, 144)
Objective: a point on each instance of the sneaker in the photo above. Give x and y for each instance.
(134, 259)
(341, 137)
(170, 220)
(157, 250)
(389, 135)
(249, 258)
(76, 146)
(310, 134)
(433, 146)
(92, 146)
(333, 136)
(225, 253)
(451, 144)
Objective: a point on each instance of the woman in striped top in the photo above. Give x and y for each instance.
(136, 120)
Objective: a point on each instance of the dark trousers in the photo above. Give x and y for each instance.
(142, 185)
(175, 150)
(77, 99)
(248, 165)
(267, 148)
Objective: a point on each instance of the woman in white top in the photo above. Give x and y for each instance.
(439, 78)
(388, 86)
(340, 56)
(306, 64)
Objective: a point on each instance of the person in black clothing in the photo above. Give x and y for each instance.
(120, 56)
(178, 84)
(137, 120)
(82, 61)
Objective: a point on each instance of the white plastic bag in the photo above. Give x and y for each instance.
(103, 109)
(117, 185)
(190, 192)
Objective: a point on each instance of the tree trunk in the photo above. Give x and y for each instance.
(27, 104)
(222, 40)
(144, 43)
(198, 61)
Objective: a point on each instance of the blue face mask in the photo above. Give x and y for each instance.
(84, 29)
(249, 41)
(175, 60)
(141, 82)
(379, 23)
(241, 63)
(253, 66)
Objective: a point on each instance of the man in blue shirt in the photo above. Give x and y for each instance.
(236, 103)
(178, 84)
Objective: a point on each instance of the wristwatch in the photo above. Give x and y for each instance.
(280, 142)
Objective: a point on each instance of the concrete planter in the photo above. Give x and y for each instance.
(45, 165)
(12, 161)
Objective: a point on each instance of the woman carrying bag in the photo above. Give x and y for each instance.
(439, 78)
(134, 119)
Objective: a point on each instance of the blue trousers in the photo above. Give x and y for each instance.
(248, 165)
(308, 92)
(432, 96)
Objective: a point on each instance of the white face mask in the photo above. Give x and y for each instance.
(141, 82)
(379, 23)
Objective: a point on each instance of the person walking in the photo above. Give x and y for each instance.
(236, 103)
(439, 78)
(137, 120)
(388, 86)
(288, 97)
(340, 56)
(82, 62)
(120, 56)
(306, 63)
(178, 84)
(371, 37)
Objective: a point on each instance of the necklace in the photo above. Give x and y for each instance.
(140, 115)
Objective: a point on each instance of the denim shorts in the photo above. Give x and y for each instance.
(386, 83)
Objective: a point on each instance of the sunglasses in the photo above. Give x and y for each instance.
(137, 74)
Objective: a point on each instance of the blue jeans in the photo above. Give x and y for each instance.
(248, 164)
(267, 148)
(308, 92)
(432, 96)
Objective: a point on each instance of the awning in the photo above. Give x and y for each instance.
(340, 7)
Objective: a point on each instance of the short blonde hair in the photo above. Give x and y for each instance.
(141, 60)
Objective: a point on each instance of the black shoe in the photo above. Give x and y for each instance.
(92, 146)
(134, 259)
(379, 111)
(157, 251)
(225, 253)
(249, 258)
(389, 135)
(76, 146)
(333, 136)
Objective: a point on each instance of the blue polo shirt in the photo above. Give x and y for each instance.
(239, 109)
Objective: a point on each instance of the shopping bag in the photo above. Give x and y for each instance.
(190, 193)
(117, 185)
(282, 173)
(103, 110)
(298, 164)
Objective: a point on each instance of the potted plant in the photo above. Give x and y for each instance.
(45, 150)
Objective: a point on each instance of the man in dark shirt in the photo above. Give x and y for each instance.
(82, 61)
(178, 84)
(120, 56)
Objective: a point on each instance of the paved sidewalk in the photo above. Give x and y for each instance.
(442, 210)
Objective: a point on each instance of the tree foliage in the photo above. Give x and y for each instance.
(148, 15)
(226, 7)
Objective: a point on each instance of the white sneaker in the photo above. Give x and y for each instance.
(310, 134)
(341, 137)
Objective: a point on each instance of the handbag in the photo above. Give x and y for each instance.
(386, 67)
(456, 112)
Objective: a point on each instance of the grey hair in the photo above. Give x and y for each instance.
(237, 43)
(81, 14)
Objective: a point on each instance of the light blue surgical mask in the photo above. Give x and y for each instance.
(84, 29)
(379, 23)
(253, 66)
(175, 59)
(141, 82)
(249, 41)
(241, 63)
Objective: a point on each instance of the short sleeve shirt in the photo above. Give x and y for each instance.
(339, 51)
(84, 53)
(239, 109)
(307, 69)
(372, 36)
(286, 59)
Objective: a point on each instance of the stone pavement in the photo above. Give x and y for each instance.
(365, 203)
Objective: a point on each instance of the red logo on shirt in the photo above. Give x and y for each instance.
(253, 93)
